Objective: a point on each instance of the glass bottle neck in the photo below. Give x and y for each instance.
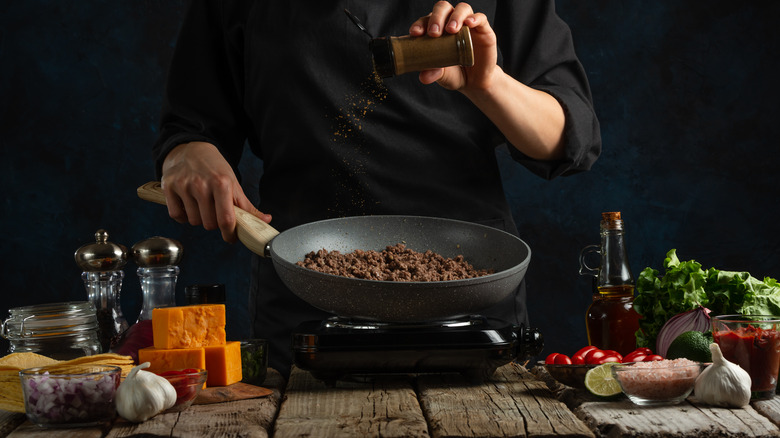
(615, 271)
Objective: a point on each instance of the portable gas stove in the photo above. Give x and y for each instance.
(473, 346)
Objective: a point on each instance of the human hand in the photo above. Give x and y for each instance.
(450, 19)
(201, 188)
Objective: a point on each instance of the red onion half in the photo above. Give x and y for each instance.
(697, 319)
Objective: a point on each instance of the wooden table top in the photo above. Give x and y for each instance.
(513, 403)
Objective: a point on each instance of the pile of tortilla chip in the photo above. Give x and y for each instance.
(11, 397)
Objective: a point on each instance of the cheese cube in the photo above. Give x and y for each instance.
(223, 363)
(188, 326)
(161, 360)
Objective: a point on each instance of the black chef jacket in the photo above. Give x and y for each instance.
(295, 80)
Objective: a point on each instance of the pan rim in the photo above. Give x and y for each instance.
(474, 280)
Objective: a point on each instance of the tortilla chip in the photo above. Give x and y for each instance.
(9, 405)
(102, 359)
(26, 360)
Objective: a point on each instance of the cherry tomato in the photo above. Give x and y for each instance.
(644, 350)
(607, 359)
(634, 356)
(577, 359)
(652, 357)
(584, 350)
(614, 353)
(557, 358)
(593, 356)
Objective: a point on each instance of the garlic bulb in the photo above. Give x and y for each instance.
(723, 383)
(143, 395)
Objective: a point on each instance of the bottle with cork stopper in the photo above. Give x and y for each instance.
(611, 320)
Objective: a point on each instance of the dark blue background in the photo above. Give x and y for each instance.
(685, 91)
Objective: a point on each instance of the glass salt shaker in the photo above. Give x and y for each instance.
(157, 259)
(102, 263)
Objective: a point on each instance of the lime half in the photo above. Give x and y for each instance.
(600, 381)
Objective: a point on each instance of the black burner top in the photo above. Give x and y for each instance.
(474, 346)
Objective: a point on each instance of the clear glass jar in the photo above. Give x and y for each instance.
(61, 331)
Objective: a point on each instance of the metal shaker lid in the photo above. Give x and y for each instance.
(156, 252)
(101, 255)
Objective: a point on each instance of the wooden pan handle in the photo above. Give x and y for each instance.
(252, 232)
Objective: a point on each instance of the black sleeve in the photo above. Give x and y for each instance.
(537, 49)
(202, 100)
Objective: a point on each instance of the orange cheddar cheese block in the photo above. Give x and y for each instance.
(161, 360)
(223, 363)
(188, 326)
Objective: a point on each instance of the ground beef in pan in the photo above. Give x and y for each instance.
(395, 263)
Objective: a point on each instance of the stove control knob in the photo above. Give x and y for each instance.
(530, 343)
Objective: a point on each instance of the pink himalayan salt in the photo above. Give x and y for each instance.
(658, 380)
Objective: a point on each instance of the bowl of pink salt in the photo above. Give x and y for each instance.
(663, 382)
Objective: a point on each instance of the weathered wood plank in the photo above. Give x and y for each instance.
(29, 430)
(382, 407)
(244, 418)
(625, 419)
(10, 421)
(511, 404)
(769, 408)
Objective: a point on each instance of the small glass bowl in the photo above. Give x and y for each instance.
(664, 382)
(70, 395)
(188, 383)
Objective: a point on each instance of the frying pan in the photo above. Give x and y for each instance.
(386, 301)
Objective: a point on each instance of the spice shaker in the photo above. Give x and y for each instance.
(157, 259)
(396, 55)
(102, 263)
(611, 320)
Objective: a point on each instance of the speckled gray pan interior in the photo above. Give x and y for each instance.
(484, 247)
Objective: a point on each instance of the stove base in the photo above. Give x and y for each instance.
(474, 348)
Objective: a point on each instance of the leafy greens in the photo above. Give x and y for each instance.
(685, 285)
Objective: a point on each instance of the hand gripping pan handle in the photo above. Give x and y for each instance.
(252, 232)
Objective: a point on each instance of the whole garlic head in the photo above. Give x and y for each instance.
(723, 383)
(143, 395)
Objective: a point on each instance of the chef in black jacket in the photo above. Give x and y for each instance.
(295, 80)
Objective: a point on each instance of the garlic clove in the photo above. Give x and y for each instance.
(723, 383)
(143, 395)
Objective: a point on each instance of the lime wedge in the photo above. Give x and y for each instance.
(600, 381)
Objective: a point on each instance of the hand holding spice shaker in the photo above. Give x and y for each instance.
(396, 55)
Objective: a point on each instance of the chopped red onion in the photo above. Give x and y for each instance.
(69, 399)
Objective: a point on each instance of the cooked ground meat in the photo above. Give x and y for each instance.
(395, 263)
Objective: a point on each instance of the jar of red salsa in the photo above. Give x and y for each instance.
(753, 343)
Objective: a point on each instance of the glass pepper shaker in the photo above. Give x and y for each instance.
(157, 259)
(611, 320)
(102, 263)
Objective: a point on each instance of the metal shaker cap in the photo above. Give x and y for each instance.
(101, 255)
(157, 252)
